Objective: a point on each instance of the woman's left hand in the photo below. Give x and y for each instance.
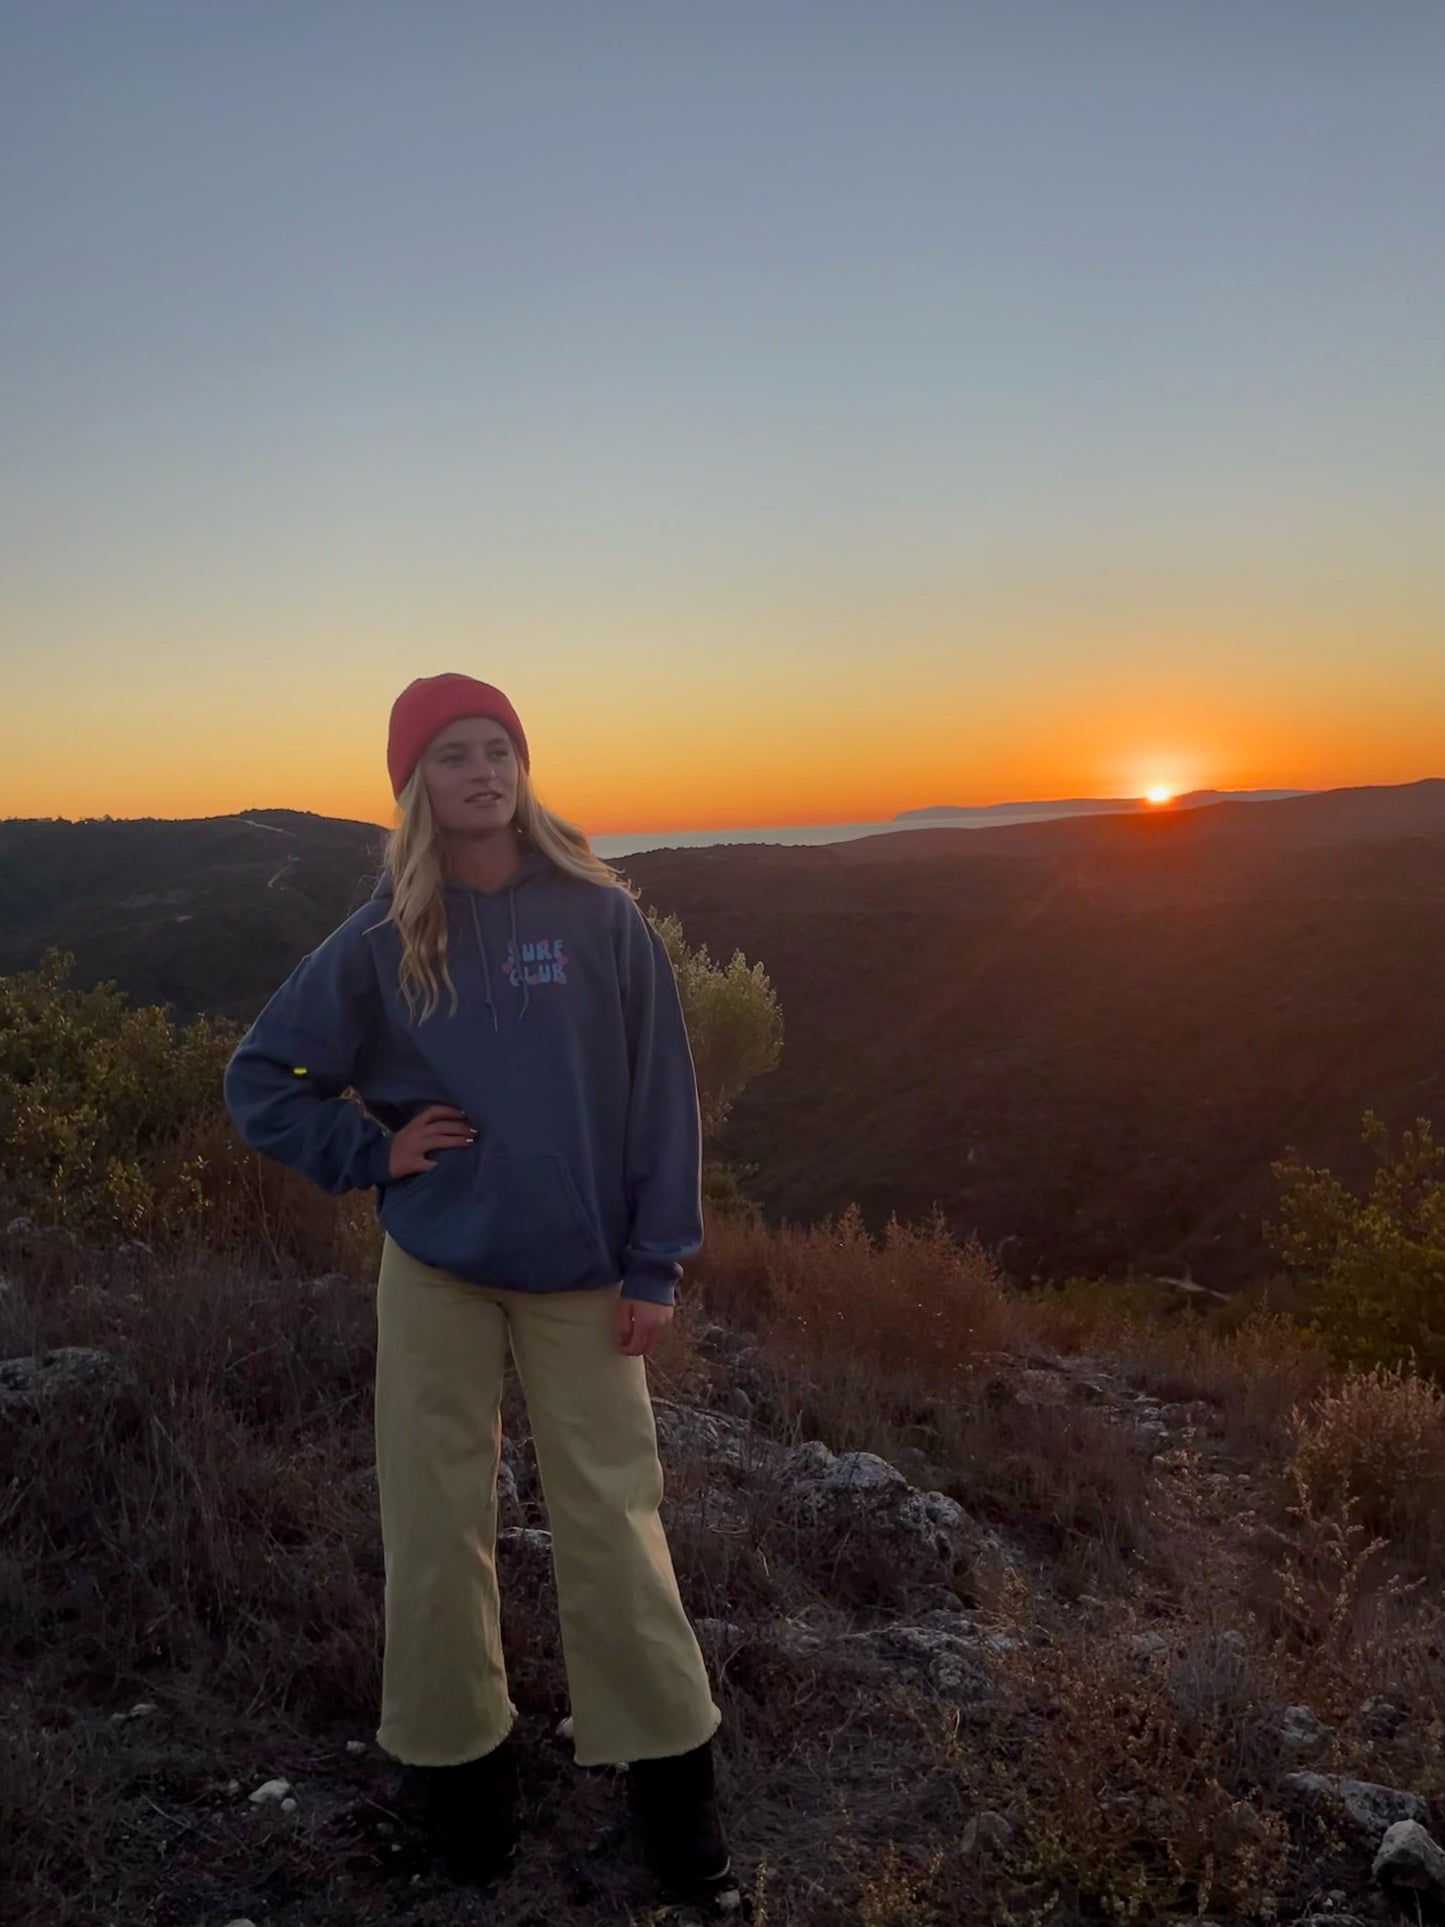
(638, 1323)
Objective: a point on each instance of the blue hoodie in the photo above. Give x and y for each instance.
(568, 1054)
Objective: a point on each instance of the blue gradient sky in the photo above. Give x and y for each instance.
(804, 412)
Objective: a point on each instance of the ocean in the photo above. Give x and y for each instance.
(628, 843)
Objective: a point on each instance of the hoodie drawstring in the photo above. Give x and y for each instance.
(516, 952)
(486, 967)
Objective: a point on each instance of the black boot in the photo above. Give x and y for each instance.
(472, 1813)
(674, 1802)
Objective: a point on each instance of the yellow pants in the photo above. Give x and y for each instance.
(635, 1675)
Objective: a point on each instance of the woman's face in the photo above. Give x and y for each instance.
(471, 772)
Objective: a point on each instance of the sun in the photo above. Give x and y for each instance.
(1159, 793)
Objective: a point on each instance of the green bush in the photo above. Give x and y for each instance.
(734, 1024)
(723, 1192)
(97, 1102)
(1374, 1265)
(1135, 1299)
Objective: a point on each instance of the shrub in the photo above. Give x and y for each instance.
(1376, 1438)
(912, 1307)
(95, 1098)
(1143, 1786)
(734, 1024)
(1090, 1313)
(723, 1194)
(1376, 1264)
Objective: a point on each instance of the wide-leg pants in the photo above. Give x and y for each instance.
(635, 1674)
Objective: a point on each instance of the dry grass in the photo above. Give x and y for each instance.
(1141, 1780)
(919, 1310)
(1252, 1368)
(1376, 1439)
(211, 1546)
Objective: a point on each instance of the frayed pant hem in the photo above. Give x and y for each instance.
(428, 1757)
(648, 1753)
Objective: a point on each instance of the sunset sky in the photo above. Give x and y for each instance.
(805, 410)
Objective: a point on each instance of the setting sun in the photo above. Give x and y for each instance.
(1158, 793)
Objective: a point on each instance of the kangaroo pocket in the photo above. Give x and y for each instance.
(511, 1219)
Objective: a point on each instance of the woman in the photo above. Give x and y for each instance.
(537, 1157)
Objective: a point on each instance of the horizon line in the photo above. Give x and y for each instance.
(1284, 794)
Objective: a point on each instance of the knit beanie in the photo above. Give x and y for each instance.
(429, 704)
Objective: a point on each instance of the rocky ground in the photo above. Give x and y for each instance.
(929, 1715)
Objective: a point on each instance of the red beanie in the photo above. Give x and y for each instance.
(429, 704)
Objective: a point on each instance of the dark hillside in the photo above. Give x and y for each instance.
(1088, 1038)
(1085, 1039)
(198, 913)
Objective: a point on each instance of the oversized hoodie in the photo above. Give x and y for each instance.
(568, 1054)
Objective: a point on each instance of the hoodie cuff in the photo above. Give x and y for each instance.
(378, 1161)
(655, 1283)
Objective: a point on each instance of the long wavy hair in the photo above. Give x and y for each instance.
(413, 857)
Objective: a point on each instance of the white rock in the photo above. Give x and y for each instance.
(987, 1829)
(69, 1375)
(356, 1746)
(687, 1432)
(1368, 1806)
(1380, 1719)
(565, 1728)
(952, 1663)
(942, 1599)
(1147, 1645)
(534, 1539)
(1409, 1857)
(811, 1466)
(242, 1922)
(288, 1805)
(717, 1632)
(269, 1792)
(819, 1488)
(793, 1639)
(935, 1509)
(137, 1712)
(1302, 1730)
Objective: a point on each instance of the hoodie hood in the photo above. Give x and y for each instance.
(462, 899)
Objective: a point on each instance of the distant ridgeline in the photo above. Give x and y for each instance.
(1089, 806)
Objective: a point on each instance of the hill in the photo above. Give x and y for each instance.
(1084, 1039)
(201, 913)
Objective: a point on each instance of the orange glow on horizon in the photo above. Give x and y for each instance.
(669, 805)
(673, 758)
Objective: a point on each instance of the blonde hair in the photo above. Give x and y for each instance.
(413, 858)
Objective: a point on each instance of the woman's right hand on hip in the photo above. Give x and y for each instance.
(434, 1128)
